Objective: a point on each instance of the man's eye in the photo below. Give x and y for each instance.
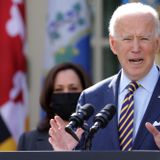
(145, 39)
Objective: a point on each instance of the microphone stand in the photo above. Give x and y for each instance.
(100, 121)
(89, 138)
(71, 132)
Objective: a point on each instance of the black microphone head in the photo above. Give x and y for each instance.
(87, 110)
(105, 115)
(77, 119)
(82, 113)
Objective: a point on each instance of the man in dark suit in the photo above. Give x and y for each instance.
(134, 38)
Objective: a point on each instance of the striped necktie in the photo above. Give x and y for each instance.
(126, 119)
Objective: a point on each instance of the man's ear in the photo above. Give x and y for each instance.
(112, 43)
(158, 45)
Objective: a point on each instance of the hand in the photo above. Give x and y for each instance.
(154, 131)
(59, 138)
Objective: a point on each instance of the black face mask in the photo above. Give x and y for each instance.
(64, 104)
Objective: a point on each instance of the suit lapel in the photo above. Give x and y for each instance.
(151, 115)
(113, 88)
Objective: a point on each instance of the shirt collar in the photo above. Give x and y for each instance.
(148, 82)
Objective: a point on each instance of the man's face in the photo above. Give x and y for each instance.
(135, 44)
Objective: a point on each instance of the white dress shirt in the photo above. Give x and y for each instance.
(141, 96)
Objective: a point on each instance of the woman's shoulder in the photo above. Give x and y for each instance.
(34, 134)
(29, 139)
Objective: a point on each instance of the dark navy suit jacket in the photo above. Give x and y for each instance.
(106, 92)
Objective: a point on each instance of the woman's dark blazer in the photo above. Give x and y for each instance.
(34, 140)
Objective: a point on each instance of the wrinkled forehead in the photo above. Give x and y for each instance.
(138, 22)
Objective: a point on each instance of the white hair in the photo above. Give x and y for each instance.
(133, 8)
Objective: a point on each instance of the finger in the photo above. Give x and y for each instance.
(53, 124)
(51, 121)
(50, 140)
(54, 130)
(60, 122)
(79, 132)
(54, 135)
(153, 130)
(51, 132)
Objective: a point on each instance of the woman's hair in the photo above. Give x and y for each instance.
(47, 90)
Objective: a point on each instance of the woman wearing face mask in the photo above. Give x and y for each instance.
(59, 96)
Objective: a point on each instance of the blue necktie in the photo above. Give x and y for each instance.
(126, 119)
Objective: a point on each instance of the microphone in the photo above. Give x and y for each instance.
(103, 117)
(77, 119)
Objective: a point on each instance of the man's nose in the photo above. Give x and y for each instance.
(136, 45)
